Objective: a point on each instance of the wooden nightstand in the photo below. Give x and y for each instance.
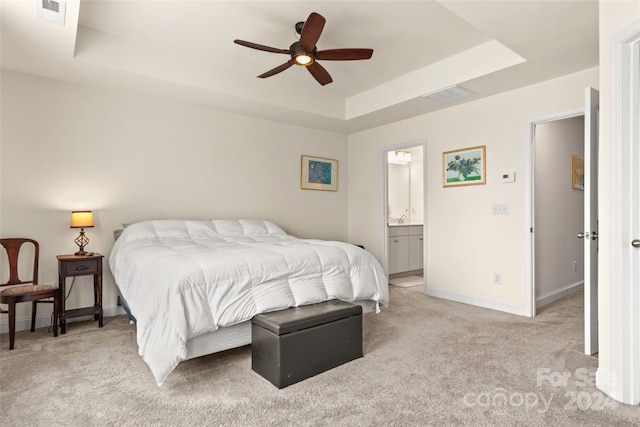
(76, 265)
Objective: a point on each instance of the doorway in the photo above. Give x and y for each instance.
(582, 175)
(404, 212)
(558, 208)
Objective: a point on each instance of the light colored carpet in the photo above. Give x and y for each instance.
(427, 362)
(407, 281)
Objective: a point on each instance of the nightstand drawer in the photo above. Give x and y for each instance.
(81, 267)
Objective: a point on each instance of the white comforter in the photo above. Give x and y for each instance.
(182, 279)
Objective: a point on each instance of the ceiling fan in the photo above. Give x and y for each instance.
(305, 52)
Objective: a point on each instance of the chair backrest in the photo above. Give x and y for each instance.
(12, 246)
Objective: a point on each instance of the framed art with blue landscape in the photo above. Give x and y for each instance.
(319, 174)
(464, 167)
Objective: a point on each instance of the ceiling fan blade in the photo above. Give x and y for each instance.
(319, 73)
(278, 69)
(311, 31)
(344, 54)
(261, 47)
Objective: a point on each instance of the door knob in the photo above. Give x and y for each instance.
(635, 243)
(583, 235)
(594, 235)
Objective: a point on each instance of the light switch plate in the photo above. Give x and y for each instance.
(500, 209)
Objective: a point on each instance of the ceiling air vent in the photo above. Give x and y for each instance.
(51, 10)
(450, 94)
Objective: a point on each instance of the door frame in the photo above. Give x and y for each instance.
(620, 377)
(385, 199)
(529, 270)
(591, 215)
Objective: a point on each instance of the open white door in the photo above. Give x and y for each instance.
(591, 221)
(618, 372)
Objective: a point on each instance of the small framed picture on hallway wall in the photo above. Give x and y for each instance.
(577, 172)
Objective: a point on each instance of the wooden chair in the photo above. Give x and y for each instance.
(25, 290)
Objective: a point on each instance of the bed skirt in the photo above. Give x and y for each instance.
(228, 337)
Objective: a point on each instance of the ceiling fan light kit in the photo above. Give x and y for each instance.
(301, 56)
(305, 52)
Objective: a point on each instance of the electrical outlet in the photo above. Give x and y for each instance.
(497, 278)
(575, 265)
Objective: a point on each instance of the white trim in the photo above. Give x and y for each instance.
(549, 297)
(44, 321)
(590, 222)
(383, 210)
(624, 298)
(529, 273)
(478, 302)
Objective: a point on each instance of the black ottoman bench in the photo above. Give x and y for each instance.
(291, 345)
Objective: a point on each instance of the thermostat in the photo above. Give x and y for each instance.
(509, 177)
(51, 10)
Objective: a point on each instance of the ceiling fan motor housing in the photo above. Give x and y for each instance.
(297, 50)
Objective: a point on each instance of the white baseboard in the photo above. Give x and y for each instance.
(478, 302)
(43, 321)
(549, 297)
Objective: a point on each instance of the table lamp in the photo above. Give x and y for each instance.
(81, 219)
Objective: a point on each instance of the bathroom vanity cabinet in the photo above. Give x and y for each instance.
(406, 248)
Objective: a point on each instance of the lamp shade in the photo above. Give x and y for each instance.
(81, 219)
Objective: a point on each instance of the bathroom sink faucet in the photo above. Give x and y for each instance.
(401, 219)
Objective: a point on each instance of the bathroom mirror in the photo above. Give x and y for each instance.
(405, 186)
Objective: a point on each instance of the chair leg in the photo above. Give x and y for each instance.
(12, 324)
(34, 308)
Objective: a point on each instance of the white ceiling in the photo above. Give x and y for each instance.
(184, 51)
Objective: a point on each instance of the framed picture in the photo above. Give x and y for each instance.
(317, 173)
(464, 167)
(577, 172)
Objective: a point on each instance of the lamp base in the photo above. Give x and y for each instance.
(81, 241)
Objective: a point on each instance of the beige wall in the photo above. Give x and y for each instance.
(131, 158)
(466, 244)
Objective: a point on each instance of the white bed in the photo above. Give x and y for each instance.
(193, 286)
